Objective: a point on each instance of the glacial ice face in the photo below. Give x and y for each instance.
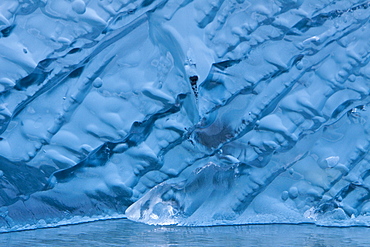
(184, 112)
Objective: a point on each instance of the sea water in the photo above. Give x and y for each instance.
(127, 233)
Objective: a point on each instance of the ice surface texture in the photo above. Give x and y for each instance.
(184, 112)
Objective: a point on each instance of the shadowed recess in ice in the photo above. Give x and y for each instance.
(188, 112)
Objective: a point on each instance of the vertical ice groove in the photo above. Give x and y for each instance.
(187, 112)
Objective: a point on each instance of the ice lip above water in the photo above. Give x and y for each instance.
(184, 112)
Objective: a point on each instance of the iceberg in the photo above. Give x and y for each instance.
(184, 112)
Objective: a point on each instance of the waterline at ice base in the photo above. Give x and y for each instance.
(184, 112)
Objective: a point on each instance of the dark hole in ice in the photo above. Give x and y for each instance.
(226, 64)
(193, 79)
(34, 78)
(77, 72)
(181, 96)
(7, 31)
(147, 2)
(74, 50)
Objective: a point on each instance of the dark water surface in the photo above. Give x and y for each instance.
(126, 233)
